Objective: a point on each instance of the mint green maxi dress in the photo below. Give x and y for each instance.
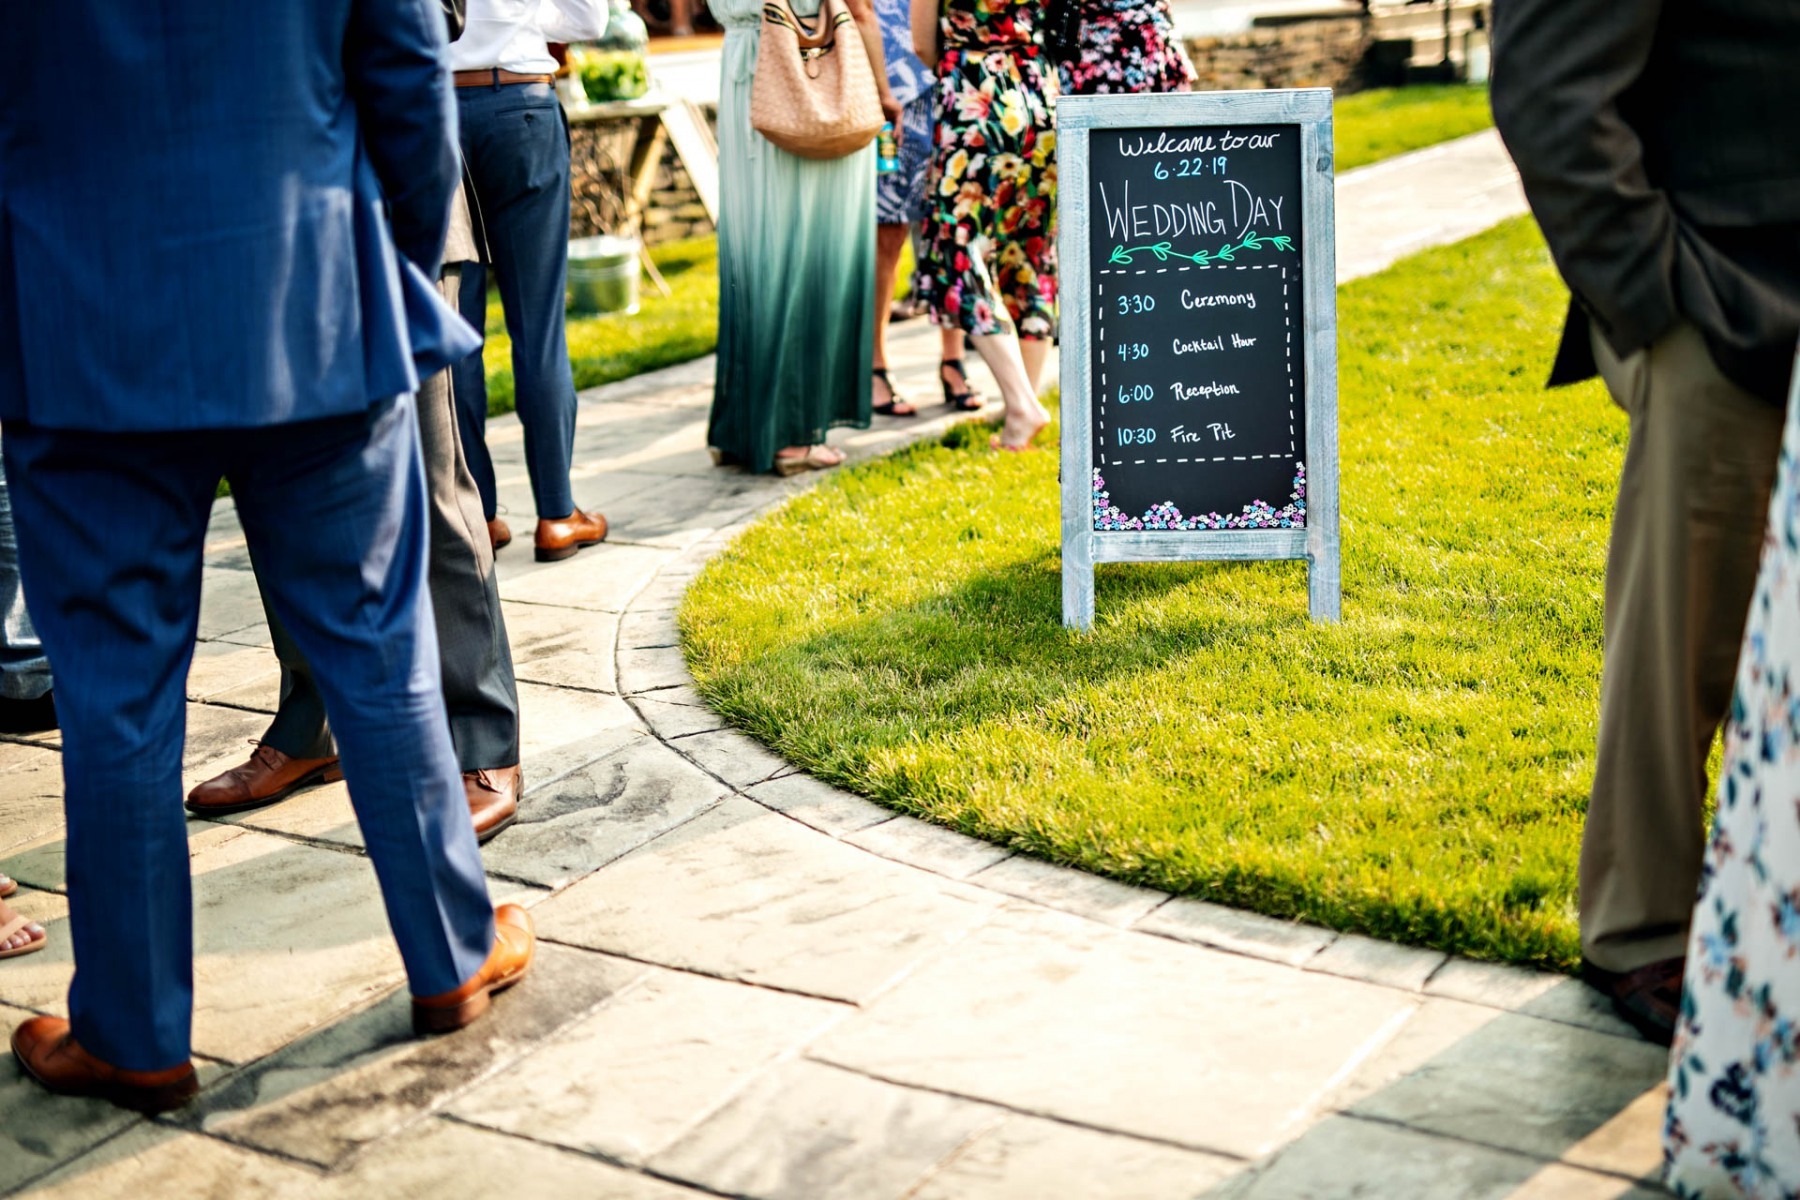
(796, 275)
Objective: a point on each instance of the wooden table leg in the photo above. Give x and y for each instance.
(646, 159)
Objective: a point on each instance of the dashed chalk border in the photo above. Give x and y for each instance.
(1287, 320)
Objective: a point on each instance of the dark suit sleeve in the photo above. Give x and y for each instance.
(1560, 68)
(394, 61)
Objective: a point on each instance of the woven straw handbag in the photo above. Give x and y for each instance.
(814, 94)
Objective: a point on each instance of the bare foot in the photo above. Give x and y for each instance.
(792, 460)
(20, 934)
(1021, 425)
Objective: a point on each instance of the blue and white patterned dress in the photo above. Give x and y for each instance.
(900, 195)
(1733, 1126)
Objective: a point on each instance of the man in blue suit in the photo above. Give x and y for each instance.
(214, 261)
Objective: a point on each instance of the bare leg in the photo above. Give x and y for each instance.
(890, 240)
(1024, 414)
(953, 343)
(951, 372)
(1035, 351)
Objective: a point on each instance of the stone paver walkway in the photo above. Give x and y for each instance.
(754, 985)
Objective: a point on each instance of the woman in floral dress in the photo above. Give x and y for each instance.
(989, 260)
(1733, 1125)
(1113, 47)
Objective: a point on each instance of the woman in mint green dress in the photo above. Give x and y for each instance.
(796, 272)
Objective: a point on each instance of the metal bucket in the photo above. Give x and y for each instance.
(603, 275)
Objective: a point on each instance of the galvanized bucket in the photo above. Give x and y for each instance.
(603, 275)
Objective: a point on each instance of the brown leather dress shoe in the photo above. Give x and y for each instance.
(561, 539)
(514, 943)
(269, 776)
(499, 534)
(493, 798)
(52, 1056)
(1649, 998)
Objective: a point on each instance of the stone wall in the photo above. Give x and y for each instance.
(1325, 53)
(600, 155)
(675, 210)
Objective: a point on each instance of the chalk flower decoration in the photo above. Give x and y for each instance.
(1164, 251)
(1259, 514)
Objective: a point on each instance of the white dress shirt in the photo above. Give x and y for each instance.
(513, 34)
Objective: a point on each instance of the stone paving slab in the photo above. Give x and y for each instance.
(742, 893)
(1240, 932)
(648, 668)
(756, 984)
(929, 847)
(354, 1082)
(229, 602)
(810, 1132)
(1355, 957)
(649, 631)
(668, 721)
(561, 649)
(647, 1067)
(596, 813)
(1114, 1010)
(1528, 1085)
(442, 1158)
(818, 804)
(1070, 890)
(731, 756)
(1029, 1157)
(240, 676)
(30, 795)
(1349, 1159)
(600, 579)
(155, 1160)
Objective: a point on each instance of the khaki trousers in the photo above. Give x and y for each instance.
(1687, 537)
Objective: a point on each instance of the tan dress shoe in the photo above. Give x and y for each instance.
(493, 798)
(269, 776)
(499, 534)
(561, 539)
(50, 1054)
(514, 944)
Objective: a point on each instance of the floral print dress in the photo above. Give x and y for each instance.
(989, 258)
(1733, 1126)
(1119, 46)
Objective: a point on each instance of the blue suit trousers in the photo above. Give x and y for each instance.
(111, 529)
(516, 146)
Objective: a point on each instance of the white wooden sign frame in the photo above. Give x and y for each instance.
(1309, 110)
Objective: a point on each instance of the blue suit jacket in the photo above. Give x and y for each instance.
(221, 213)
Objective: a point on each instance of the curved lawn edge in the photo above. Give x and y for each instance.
(1417, 774)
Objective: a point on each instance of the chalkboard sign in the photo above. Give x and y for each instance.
(1199, 334)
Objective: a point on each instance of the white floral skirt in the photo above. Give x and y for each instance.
(1733, 1125)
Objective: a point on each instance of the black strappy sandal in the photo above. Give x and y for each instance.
(895, 406)
(964, 398)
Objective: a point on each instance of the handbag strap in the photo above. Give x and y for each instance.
(823, 32)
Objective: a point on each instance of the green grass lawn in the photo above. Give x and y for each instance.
(684, 325)
(665, 330)
(1418, 772)
(1379, 124)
